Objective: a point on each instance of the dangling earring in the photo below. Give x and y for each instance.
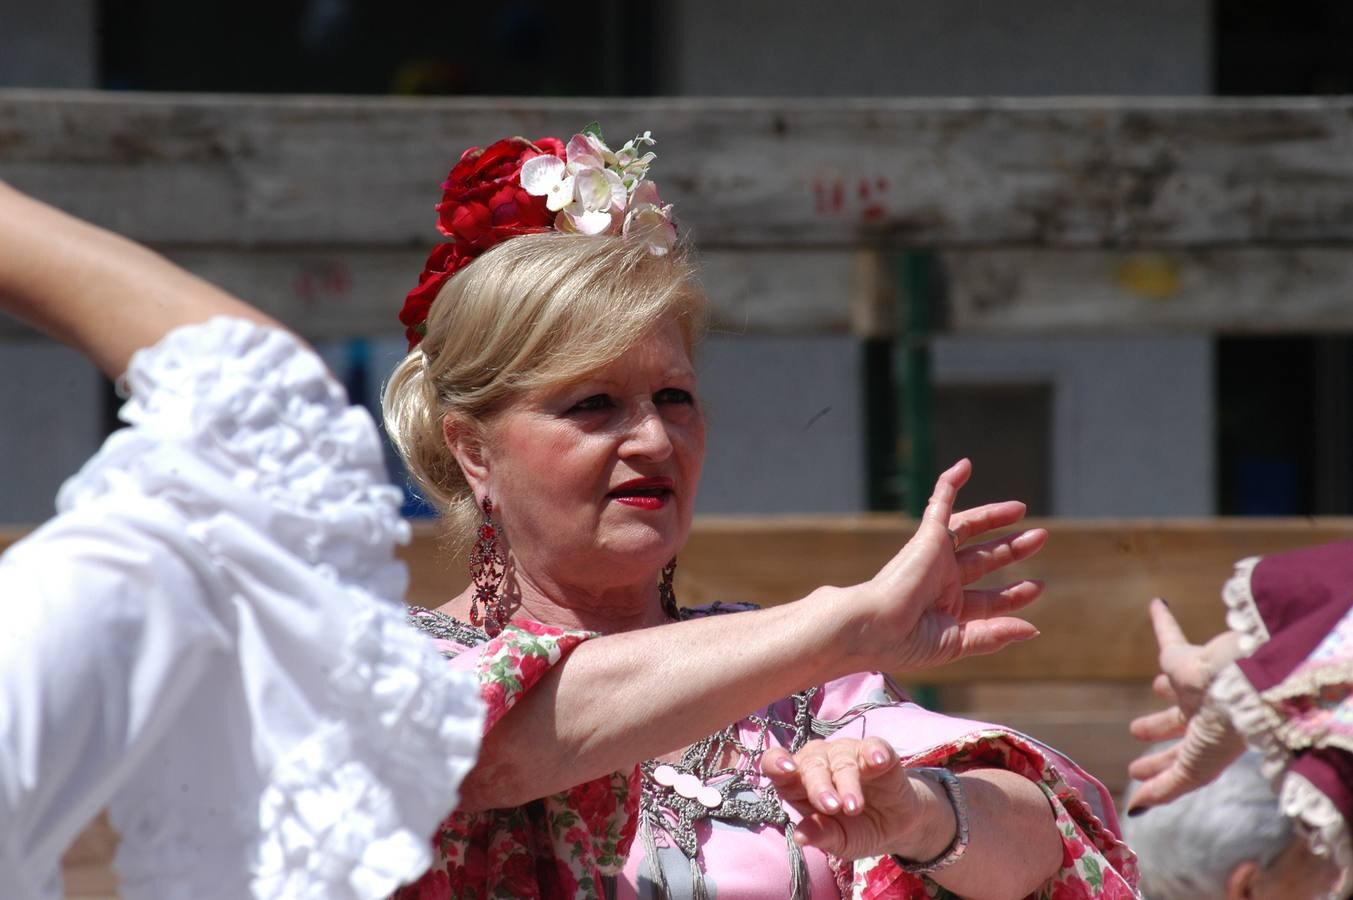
(487, 562)
(666, 595)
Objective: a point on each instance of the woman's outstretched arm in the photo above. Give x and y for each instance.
(102, 294)
(621, 699)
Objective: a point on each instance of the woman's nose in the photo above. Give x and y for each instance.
(648, 435)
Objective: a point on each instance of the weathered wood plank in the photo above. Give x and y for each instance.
(1099, 574)
(341, 292)
(1044, 172)
(1254, 289)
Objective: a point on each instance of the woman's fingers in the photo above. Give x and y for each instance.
(984, 604)
(778, 765)
(1168, 632)
(827, 776)
(974, 562)
(846, 777)
(1160, 726)
(969, 523)
(1168, 785)
(940, 508)
(1149, 765)
(823, 832)
(817, 778)
(875, 758)
(984, 636)
(1164, 688)
(941, 505)
(933, 531)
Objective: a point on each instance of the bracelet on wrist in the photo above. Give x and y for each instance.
(953, 789)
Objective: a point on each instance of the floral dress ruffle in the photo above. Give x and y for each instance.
(578, 843)
(562, 846)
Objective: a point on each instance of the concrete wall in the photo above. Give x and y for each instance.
(51, 402)
(48, 44)
(1133, 421)
(786, 424)
(51, 420)
(938, 47)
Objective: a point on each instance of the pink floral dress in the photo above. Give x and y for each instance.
(709, 826)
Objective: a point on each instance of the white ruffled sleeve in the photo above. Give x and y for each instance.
(207, 640)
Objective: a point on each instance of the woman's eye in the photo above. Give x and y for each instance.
(673, 395)
(592, 403)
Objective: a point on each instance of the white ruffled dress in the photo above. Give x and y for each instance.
(208, 641)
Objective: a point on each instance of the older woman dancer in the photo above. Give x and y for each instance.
(242, 514)
(549, 406)
(1280, 679)
(158, 637)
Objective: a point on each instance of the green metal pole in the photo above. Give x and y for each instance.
(918, 301)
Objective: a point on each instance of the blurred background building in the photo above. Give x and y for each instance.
(1175, 421)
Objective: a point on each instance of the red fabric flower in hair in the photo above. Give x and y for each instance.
(483, 204)
(444, 261)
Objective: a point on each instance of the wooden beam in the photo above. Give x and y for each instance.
(1100, 576)
(1050, 172)
(341, 292)
(1235, 290)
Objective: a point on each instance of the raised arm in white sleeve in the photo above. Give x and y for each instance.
(208, 640)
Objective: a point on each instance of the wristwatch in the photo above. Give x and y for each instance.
(953, 789)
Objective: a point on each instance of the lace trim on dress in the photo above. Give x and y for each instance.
(1254, 719)
(1242, 616)
(1262, 728)
(1319, 820)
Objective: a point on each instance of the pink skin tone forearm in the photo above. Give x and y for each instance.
(1013, 844)
(858, 801)
(620, 699)
(100, 293)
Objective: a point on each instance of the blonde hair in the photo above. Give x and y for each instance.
(534, 311)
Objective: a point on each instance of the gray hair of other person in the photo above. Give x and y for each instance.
(1188, 848)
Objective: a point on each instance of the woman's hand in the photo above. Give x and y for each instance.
(917, 612)
(1186, 670)
(1209, 742)
(857, 801)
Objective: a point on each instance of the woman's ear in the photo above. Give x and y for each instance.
(467, 446)
(1241, 883)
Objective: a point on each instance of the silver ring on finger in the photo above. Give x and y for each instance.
(953, 537)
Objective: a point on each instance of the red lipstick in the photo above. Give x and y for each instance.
(644, 493)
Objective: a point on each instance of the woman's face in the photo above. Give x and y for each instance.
(594, 481)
